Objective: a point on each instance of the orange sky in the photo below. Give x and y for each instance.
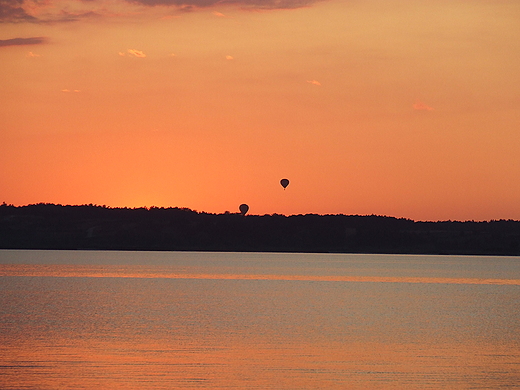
(403, 108)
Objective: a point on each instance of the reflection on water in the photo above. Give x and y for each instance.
(127, 320)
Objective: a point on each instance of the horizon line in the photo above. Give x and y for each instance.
(5, 204)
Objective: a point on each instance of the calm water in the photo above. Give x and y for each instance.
(170, 320)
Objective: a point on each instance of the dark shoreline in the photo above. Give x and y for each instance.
(91, 227)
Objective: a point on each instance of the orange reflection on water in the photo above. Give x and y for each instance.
(112, 271)
(256, 363)
(108, 334)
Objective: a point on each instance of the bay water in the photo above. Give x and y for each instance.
(190, 320)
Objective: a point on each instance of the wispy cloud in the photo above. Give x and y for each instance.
(315, 82)
(12, 11)
(22, 41)
(65, 16)
(229, 58)
(47, 11)
(266, 4)
(420, 106)
(55, 11)
(31, 54)
(136, 53)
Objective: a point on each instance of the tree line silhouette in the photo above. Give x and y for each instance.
(54, 226)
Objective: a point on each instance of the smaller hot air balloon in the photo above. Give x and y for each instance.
(244, 208)
(284, 183)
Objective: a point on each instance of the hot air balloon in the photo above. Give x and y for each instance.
(284, 183)
(244, 208)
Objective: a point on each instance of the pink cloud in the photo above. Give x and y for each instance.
(420, 106)
(314, 82)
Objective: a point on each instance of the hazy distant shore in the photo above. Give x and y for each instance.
(49, 226)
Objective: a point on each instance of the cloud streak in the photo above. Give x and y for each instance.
(22, 41)
(260, 4)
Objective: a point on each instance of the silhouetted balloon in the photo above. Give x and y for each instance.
(284, 183)
(244, 208)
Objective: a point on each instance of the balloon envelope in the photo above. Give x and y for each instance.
(244, 208)
(284, 183)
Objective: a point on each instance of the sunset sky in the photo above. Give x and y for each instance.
(405, 108)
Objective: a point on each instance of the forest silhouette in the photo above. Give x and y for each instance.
(93, 227)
